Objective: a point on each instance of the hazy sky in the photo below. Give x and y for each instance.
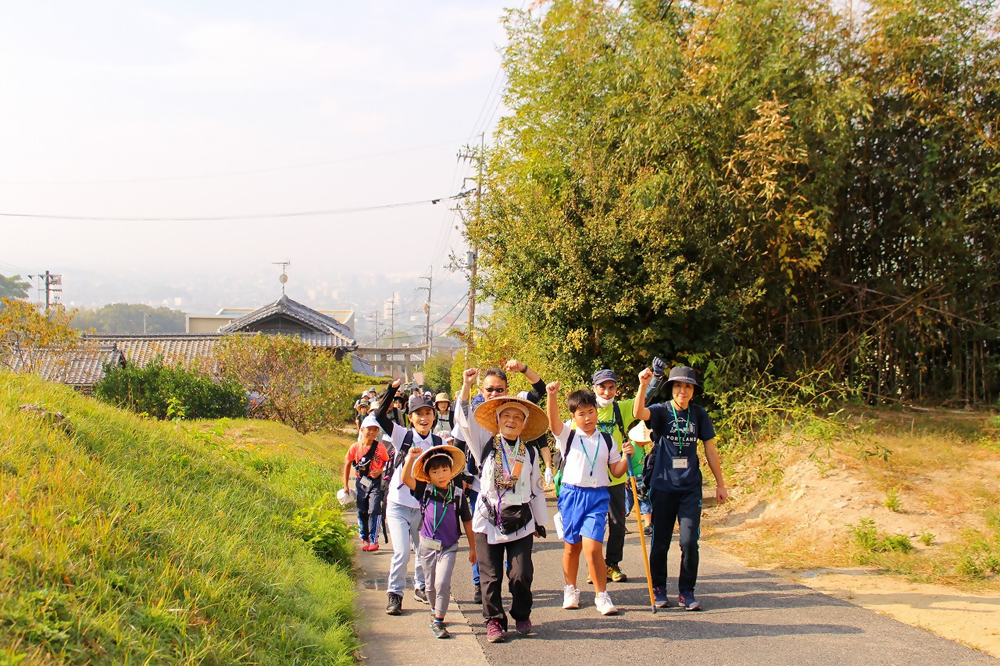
(122, 108)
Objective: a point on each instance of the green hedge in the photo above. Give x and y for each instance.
(166, 392)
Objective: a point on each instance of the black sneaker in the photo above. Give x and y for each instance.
(477, 598)
(688, 602)
(437, 626)
(420, 595)
(395, 606)
(648, 530)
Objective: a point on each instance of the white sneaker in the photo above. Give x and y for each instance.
(571, 597)
(603, 602)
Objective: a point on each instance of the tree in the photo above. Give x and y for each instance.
(437, 373)
(13, 287)
(693, 180)
(25, 330)
(127, 318)
(288, 380)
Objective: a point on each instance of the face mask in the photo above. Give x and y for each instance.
(602, 403)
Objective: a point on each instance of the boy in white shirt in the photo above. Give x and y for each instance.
(589, 455)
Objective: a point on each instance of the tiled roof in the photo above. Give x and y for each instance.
(308, 317)
(81, 367)
(362, 367)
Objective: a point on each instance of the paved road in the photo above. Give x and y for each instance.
(750, 617)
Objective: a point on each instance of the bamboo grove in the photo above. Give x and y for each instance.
(814, 186)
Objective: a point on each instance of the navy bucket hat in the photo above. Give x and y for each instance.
(683, 373)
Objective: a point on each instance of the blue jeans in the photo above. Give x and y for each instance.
(404, 532)
(669, 509)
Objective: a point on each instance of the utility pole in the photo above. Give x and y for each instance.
(51, 281)
(473, 255)
(427, 310)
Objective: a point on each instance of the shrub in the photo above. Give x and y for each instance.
(325, 531)
(871, 542)
(165, 392)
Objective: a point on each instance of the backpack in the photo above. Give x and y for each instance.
(456, 499)
(404, 448)
(363, 464)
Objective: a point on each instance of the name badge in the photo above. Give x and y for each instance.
(588, 482)
(680, 463)
(366, 482)
(430, 544)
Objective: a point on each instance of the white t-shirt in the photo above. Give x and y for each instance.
(398, 492)
(587, 461)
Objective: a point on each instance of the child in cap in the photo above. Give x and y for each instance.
(430, 475)
(589, 456)
(641, 438)
(367, 457)
(361, 411)
(510, 509)
(402, 512)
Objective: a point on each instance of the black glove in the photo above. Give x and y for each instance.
(659, 367)
(540, 530)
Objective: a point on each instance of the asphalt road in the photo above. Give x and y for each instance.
(750, 617)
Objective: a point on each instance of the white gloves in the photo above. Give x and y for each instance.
(548, 476)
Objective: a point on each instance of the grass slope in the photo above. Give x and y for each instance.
(124, 540)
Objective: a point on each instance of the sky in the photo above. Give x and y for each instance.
(227, 109)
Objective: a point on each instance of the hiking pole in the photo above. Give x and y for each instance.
(642, 535)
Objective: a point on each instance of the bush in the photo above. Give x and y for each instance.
(325, 531)
(871, 542)
(165, 392)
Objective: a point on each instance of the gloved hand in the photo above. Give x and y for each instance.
(548, 476)
(659, 367)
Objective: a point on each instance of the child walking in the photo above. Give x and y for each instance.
(589, 456)
(445, 510)
(367, 458)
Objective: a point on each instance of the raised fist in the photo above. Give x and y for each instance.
(513, 365)
(396, 383)
(645, 377)
(414, 452)
(552, 388)
(470, 376)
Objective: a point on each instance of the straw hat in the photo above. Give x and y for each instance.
(457, 461)
(535, 425)
(442, 397)
(640, 433)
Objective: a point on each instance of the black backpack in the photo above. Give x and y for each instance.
(404, 448)
(363, 465)
(608, 440)
(456, 499)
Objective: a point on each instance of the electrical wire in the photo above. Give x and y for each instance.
(461, 301)
(225, 174)
(255, 216)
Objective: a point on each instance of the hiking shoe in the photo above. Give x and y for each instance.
(365, 546)
(523, 627)
(660, 597)
(477, 598)
(688, 602)
(615, 574)
(374, 546)
(603, 602)
(571, 597)
(395, 606)
(437, 626)
(648, 530)
(420, 595)
(494, 632)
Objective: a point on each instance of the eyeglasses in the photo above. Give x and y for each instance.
(493, 389)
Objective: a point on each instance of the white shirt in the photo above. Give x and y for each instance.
(530, 488)
(587, 461)
(398, 492)
(456, 433)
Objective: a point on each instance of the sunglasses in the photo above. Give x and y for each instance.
(493, 389)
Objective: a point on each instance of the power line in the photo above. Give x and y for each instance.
(224, 174)
(256, 216)
(461, 301)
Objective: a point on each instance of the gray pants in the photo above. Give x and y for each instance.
(438, 566)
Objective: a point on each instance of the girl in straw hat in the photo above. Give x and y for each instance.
(430, 476)
(510, 509)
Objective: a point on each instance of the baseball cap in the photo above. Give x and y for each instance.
(605, 375)
(420, 400)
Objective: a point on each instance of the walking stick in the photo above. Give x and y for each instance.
(642, 535)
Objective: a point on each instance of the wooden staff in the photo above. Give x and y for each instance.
(642, 535)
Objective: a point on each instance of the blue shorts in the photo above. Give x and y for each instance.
(584, 512)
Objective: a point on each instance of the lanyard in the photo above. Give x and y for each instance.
(677, 427)
(435, 521)
(597, 450)
(513, 454)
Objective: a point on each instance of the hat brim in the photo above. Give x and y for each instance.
(640, 433)
(457, 461)
(536, 425)
(695, 384)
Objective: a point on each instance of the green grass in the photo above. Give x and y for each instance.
(125, 540)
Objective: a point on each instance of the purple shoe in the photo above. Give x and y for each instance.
(523, 627)
(494, 632)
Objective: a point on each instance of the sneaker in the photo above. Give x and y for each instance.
(660, 597)
(688, 602)
(523, 627)
(437, 626)
(603, 602)
(648, 530)
(420, 595)
(373, 547)
(395, 606)
(494, 632)
(615, 574)
(365, 546)
(477, 598)
(571, 597)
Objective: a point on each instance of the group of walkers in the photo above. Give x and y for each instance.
(477, 468)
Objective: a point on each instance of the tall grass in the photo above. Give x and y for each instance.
(124, 540)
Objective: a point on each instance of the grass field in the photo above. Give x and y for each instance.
(125, 540)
